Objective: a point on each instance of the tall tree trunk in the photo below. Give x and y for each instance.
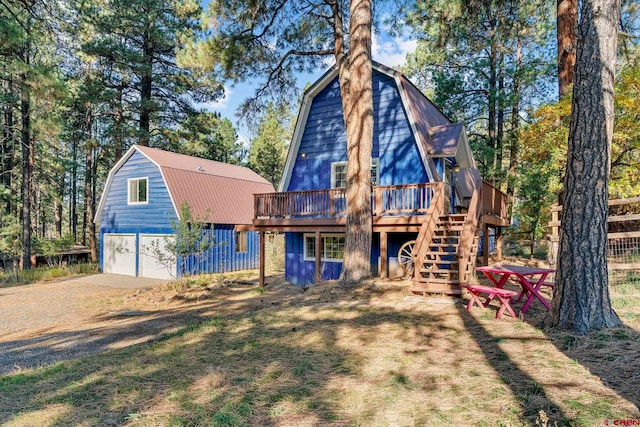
(356, 84)
(73, 212)
(581, 302)
(515, 129)
(117, 119)
(27, 148)
(500, 121)
(58, 197)
(492, 98)
(145, 88)
(89, 203)
(567, 21)
(8, 147)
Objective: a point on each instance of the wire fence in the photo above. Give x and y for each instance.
(623, 241)
(623, 256)
(274, 252)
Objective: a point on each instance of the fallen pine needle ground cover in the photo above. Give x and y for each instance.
(370, 355)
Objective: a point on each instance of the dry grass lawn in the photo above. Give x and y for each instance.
(364, 356)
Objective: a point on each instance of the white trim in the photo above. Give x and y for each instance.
(375, 161)
(112, 172)
(146, 201)
(303, 115)
(333, 173)
(464, 157)
(301, 122)
(322, 236)
(427, 161)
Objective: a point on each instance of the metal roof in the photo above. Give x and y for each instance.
(429, 124)
(216, 192)
(444, 139)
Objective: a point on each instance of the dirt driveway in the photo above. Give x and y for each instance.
(47, 322)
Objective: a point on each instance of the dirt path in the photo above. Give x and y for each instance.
(47, 322)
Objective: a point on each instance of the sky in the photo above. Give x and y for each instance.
(390, 51)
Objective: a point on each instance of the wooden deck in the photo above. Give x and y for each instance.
(394, 208)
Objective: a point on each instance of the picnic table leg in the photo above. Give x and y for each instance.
(475, 298)
(499, 284)
(505, 304)
(533, 291)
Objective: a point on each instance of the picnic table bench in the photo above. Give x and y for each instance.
(504, 295)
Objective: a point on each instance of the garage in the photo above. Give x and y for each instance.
(156, 261)
(120, 254)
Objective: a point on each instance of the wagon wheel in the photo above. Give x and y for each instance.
(405, 257)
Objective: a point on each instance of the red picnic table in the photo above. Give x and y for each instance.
(498, 274)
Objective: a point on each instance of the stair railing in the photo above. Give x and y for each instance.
(428, 227)
(469, 231)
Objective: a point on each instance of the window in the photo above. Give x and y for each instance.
(331, 247)
(241, 241)
(339, 174)
(138, 191)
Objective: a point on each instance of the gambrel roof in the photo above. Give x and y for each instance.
(220, 192)
(435, 134)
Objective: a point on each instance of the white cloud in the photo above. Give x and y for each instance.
(219, 104)
(392, 52)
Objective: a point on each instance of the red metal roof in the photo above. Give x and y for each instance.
(444, 139)
(215, 191)
(426, 116)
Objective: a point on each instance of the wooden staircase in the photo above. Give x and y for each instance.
(446, 247)
(439, 269)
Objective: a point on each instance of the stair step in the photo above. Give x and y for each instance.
(439, 273)
(440, 261)
(436, 290)
(437, 280)
(449, 229)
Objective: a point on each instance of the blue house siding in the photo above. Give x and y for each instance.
(222, 257)
(299, 271)
(118, 216)
(158, 214)
(324, 139)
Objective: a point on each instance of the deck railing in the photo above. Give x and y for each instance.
(494, 201)
(413, 199)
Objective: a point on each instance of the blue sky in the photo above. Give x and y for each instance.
(386, 50)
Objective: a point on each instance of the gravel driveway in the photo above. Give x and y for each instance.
(48, 322)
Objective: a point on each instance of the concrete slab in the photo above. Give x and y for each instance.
(118, 281)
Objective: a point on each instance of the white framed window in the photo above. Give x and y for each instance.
(339, 173)
(138, 191)
(331, 247)
(241, 241)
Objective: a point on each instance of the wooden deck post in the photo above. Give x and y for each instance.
(261, 234)
(485, 246)
(318, 274)
(499, 244)
(383, 255)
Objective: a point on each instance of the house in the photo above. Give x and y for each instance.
(428, 199)
(142, 199)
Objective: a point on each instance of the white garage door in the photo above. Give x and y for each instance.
(120, 254)
(155, 260)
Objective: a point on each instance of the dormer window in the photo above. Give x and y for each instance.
(138, 191)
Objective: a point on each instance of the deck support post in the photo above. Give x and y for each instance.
(383, 255)
(318, 273)
(499, 244)
(485, 245)
(262, 264)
